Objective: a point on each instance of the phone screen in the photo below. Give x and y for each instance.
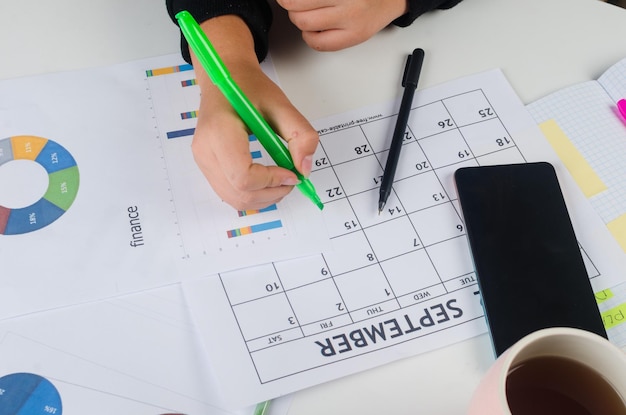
(529, 266)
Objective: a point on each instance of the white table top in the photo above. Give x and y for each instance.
(541, 46)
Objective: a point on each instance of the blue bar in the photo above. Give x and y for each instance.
(254, 212)
(269, 208)
(181, 133)
(266, 226)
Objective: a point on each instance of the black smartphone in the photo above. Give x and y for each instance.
(529, 265)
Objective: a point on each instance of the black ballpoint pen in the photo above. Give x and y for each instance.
(409, 82)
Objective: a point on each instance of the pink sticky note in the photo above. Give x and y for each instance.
(621, 106)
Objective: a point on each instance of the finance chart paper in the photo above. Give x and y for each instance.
(395, 284)
(136, 354)
(100, 195)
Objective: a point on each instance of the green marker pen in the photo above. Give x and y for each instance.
(220, 76)
(261, 408)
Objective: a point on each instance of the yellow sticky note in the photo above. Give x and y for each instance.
(581, 171)
(602, 296)
(614, 317)
(617, 227)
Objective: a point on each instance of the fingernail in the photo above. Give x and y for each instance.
(307, 164)
(291, 181)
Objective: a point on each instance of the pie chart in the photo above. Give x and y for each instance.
(28, 394)
(63, 180)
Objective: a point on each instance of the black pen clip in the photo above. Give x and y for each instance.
(413, 68)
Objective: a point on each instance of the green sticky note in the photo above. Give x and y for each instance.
(614, 316)
(602, 296)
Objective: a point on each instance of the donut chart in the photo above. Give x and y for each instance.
(63, 180)
(28, 394)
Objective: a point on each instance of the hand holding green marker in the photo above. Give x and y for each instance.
(220, 76)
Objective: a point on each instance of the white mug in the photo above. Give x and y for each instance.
(555, 371)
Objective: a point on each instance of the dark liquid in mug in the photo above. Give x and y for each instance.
(555, 386)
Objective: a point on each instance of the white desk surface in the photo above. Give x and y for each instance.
(540, 45)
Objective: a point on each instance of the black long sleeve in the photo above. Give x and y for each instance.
(258, 16)
(419, 7)
(256, 13)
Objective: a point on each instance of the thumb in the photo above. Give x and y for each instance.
(302, 139)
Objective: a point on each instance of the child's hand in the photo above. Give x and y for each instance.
(220, 144)
(328, 25)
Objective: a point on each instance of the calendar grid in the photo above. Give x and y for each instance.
(422, 210)
(393, 284)
(352, 289)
